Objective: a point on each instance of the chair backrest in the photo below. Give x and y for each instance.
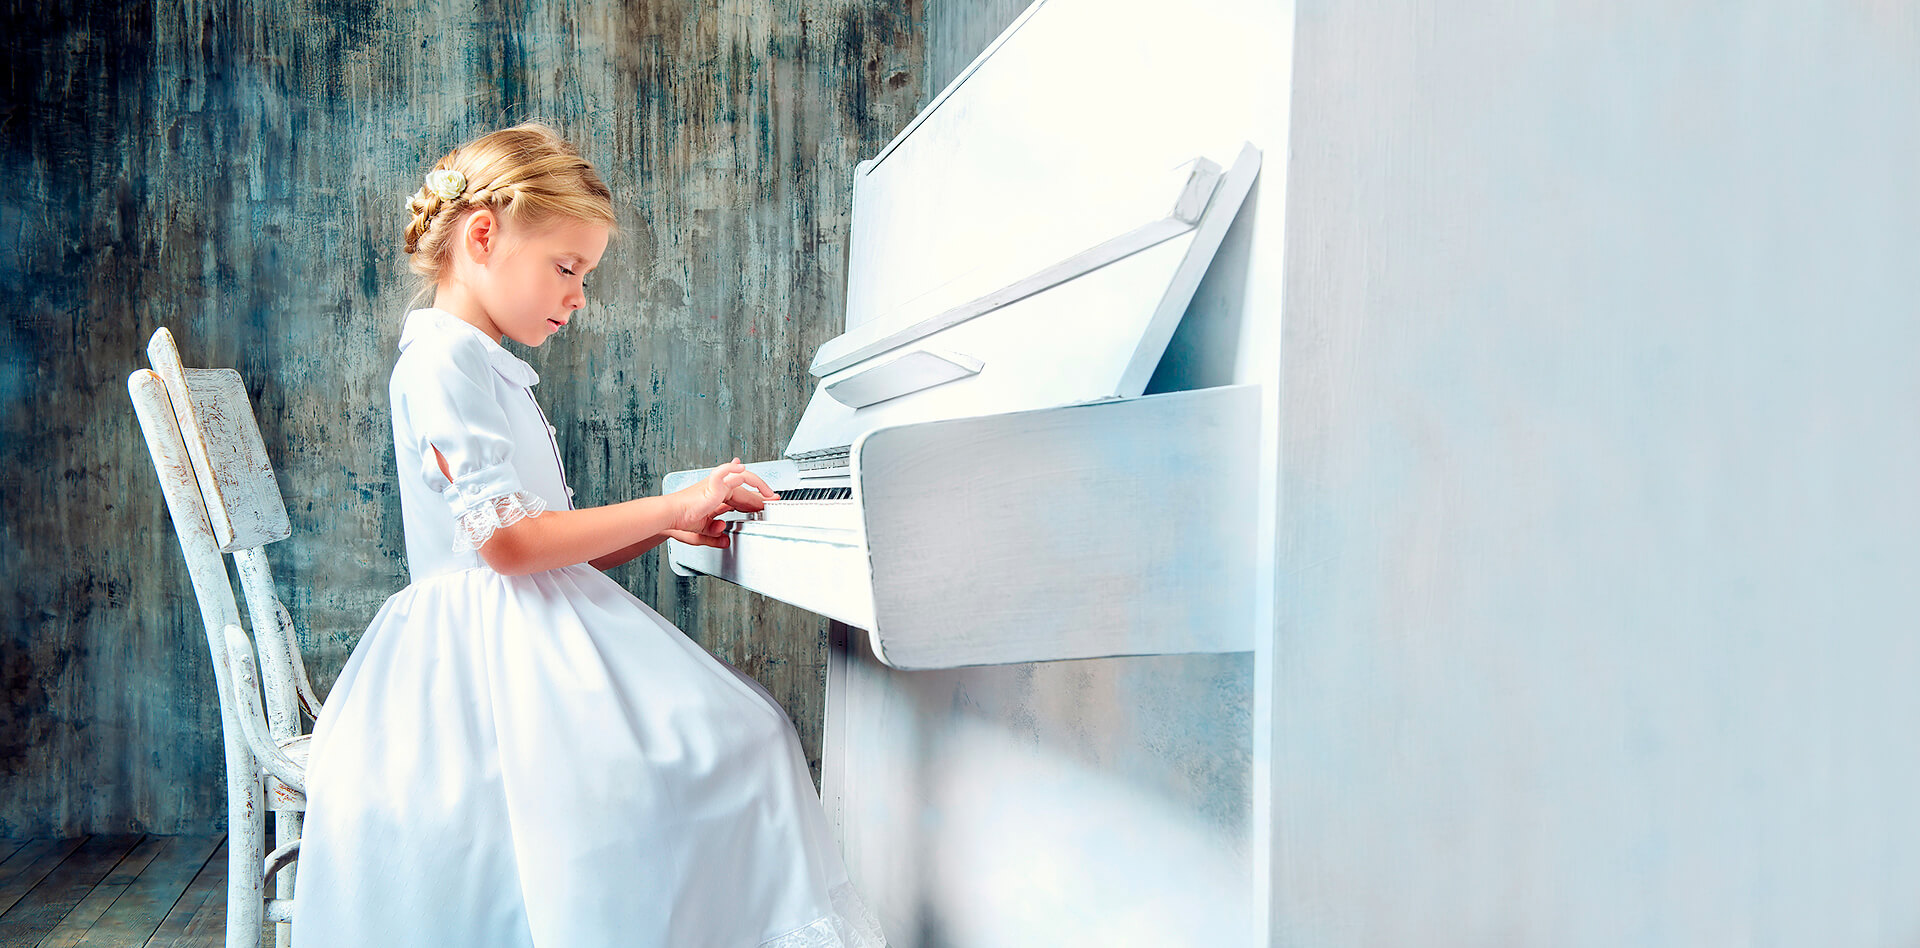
(243, 510)
(190, 525)
(223, 441)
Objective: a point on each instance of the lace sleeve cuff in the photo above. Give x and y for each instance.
(476, 525)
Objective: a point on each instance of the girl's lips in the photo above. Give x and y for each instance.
(557, 325)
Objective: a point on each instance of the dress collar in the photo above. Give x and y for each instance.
(429, 319)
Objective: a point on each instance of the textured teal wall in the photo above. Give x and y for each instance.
(235, 172)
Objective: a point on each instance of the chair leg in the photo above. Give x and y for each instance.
(246, 850)
(286, 829)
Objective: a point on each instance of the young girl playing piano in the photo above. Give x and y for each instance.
(518, 752)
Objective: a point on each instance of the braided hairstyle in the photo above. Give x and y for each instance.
(528, 175)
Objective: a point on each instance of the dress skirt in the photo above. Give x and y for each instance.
(544, 760)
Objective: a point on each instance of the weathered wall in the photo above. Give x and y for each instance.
(235, 172)
(1601, 476)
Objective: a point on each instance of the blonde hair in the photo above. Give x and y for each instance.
(527, 174)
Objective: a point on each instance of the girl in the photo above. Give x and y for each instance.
(519, 752)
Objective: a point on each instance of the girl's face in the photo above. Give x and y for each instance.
(529, 284)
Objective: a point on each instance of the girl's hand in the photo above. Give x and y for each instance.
(698, 539)
(725, 489)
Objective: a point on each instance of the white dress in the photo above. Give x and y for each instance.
(544, 760)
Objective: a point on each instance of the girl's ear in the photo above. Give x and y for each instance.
(482, 230)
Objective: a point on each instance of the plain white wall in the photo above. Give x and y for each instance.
(1599, 466)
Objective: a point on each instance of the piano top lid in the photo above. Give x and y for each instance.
(1090, 327)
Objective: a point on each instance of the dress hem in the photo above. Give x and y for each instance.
(850, 924)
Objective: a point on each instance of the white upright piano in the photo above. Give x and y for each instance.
(1034, 567)
(981, 481)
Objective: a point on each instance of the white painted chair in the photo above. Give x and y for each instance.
(220, 489)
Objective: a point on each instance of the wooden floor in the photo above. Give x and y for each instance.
(119, 891)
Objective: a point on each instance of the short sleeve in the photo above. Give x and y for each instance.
(448, 400)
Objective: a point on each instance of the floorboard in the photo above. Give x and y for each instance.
(116, 891)
(29, 864)
(42, 907)
(137, 913)
(80, 921)
(199, 919)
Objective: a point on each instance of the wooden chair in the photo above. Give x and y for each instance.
(220, 490)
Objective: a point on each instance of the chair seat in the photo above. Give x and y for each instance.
(279, 795)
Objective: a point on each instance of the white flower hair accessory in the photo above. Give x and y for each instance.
(446, 183)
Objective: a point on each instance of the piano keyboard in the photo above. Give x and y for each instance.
(814, 493)
(806, 548)
(800, 513)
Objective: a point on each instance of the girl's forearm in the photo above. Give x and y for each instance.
(558, 538)
(622, 556)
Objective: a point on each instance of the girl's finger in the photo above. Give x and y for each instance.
(692, 538)
(761, 486)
